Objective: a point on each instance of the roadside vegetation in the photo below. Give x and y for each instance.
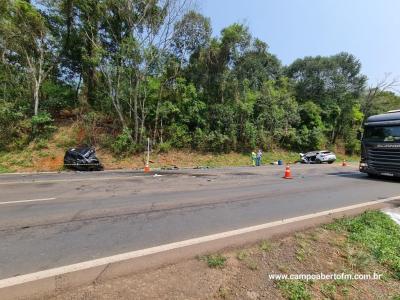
(378, 234)
(214, 260)
(360, 245)
(48, 155)
(120, 72)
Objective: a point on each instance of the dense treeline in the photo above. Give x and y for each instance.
(132, 69)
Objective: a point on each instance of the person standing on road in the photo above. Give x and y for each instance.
(253, 157)
(258, 158)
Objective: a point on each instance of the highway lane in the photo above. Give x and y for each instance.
(79, 216)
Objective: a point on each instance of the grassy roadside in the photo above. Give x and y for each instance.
(4, 169)
(367, 244)
(48, 156)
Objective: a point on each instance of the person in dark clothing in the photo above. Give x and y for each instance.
(258, 158)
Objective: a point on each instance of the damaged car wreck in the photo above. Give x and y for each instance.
(82, 159)
(317, 157)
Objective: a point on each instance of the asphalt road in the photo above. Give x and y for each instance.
(51, 220)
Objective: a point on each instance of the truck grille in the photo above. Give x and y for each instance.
(384, 160)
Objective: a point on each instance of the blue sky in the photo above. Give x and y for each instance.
(369, 29)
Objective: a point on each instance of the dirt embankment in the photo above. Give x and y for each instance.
(47, 155)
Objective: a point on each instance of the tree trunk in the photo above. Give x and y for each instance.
(161, 131)
(135, 110)
(336, 129)
(36, 98)
(143, 116)
(91, 86)
(116, 102)
(37, 75)
(78, 88)
(89, 70)
(157, 113)
(130, 96)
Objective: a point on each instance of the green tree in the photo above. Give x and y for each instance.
(151, 68)
(310, 135)
(382, 102)
(191, 33)
(276, 111)
(335, 83)
(28, 41)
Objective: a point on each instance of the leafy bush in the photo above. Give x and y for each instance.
(242, 255)
(123, 144)
(179, 136)
(250, 136)
(199, 139)
(352, 144)
(218, 142)
(213, 141)
(57, 96)
(42, 125)
(4, 169)
(215, 260)
(11, 126)
(164, 147)
(309, 139)
(40, 144)
(264, 140)
(265, 246)
(294, 289)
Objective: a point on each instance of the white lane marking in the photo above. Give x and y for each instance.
(26, 201)
(12, 281)
(67, 180)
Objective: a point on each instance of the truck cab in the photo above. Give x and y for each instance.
(380, 145)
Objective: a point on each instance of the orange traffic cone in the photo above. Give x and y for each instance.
(146, 168)
(288, 173)
(344, 163)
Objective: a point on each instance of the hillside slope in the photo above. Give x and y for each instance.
(47, 155)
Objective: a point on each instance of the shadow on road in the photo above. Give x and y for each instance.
(362, 176)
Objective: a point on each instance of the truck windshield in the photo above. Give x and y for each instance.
(382, 134)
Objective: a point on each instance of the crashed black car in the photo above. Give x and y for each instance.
(82, 159)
